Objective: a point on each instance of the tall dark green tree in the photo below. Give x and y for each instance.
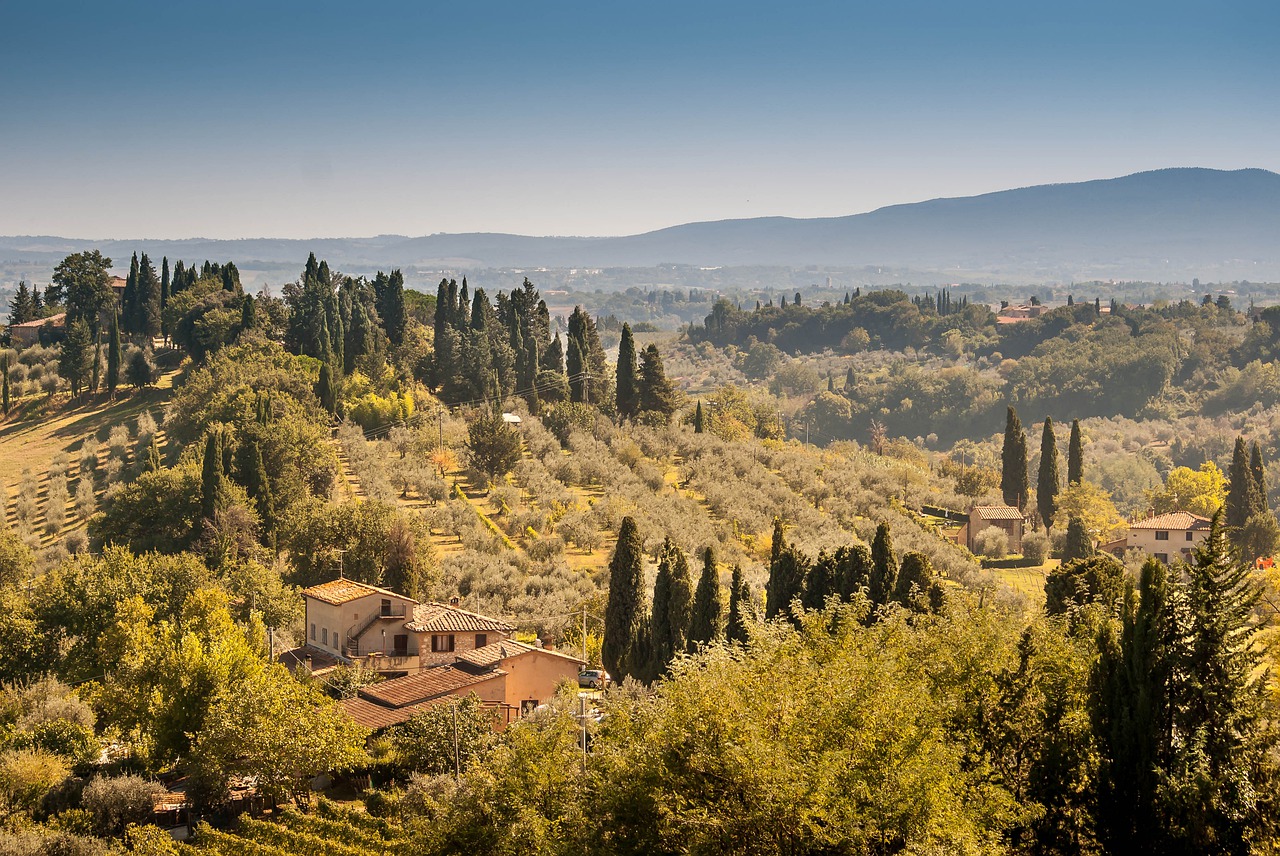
(628, 395)
(147, 306)
(75, 362)
(1014, 484)
(672, 608)
(325, 390)
(1079, 544)
(657, 394)
(5, 368)
(1242, 492)
(622, 649)
(1075, 455)
(707, 623)
(553, 357)
(82, 283)
(1259, 470)
(884, 567)
(577, 371)
(211, 475)
(21, 308)
(916, 580)
(740, 607)
(391, 305)
(113, 355)
(854, 564)
(1047, 479)
(699, 420)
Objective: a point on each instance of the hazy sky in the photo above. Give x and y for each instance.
(306, 119)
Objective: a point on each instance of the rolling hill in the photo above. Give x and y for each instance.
(1164, 224)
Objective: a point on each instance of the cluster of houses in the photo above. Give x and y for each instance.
(428, 652)
(1168, 537)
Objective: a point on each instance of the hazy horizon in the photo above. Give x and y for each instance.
(151, 121)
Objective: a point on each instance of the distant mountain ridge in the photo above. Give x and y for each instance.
(1162, 224)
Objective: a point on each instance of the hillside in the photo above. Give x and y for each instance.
(1164, 224)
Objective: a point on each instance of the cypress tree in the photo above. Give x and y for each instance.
(739, 607)
(1075, 455)
(210, 475)
(854, 565)
(147, 306)
(248, 314)
(915, 574)
(821, 581)
(1014, 484)
(553, 357)
(113, 355)
(672, 608)
(325, 390)
(657, 395)
(129, 299)
(1242, 494)
(699, 421)
(1259, 477)
(706, 625)
(1047, 479)
(153, 456)
(628, 397)
(257, 485)
(787, 571)
(1078, 544)
(5, 369)
(166, 284)
(577, 383)
(884, 567)
(391, 308)
(95, 380)
(625, 609)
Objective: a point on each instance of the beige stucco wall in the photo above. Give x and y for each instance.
(535, 675)
(1012, 528)
(1145, 540)
(348, 617)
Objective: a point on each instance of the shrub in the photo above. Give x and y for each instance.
(1035, 547)
(115, 803)
(992, 542)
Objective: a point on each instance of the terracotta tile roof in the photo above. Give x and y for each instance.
(492, 655)
(342, 590)
(58, 320)
(1173, 520)
(432, 617)
(997, 512)
(375, 716)
(426, 685)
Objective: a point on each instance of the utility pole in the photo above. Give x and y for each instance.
(582, 712)
(584, 636)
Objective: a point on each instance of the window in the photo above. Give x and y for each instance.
(1162, 557)
(401, 642)
(386, 606)
(313, 632)
(334, 634)
(324, 635)
(1162, 535)
(442, 644)
(482, 639)
(1189, 535)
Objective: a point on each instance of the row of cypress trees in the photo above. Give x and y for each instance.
(641, 640)
(644, 388)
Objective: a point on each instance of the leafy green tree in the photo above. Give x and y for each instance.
(707, 624)
(159, 510)
(628, 394)
(884, 567)
(16, 561)
(1077, 582)
(1079, 544)
(1200, 491)
(1075, 455)
(493, 446)
(625, 610)
(141, 371)
(1047, 481)
(425, 743)
(76, 360)
(82, 283)
(1259, 537)
(1014, 485)
(672, 608)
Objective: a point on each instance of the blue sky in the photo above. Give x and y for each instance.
(306, 119)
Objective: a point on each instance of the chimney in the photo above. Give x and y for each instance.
(454, 601)
(549, 644)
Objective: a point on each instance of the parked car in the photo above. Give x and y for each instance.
(594, 679)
